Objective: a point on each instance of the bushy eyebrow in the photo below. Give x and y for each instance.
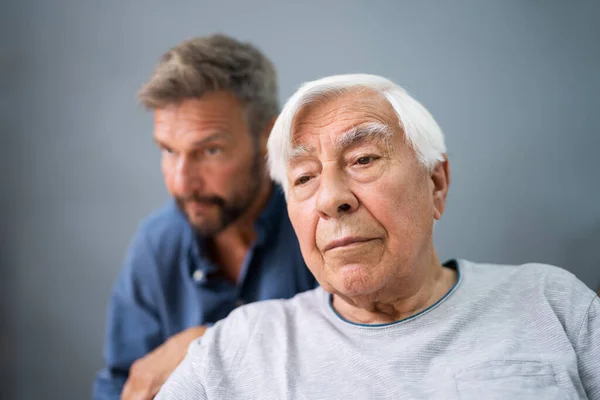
(364, 133)
(300, 151)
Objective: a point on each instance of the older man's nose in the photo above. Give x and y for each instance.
(334, 198)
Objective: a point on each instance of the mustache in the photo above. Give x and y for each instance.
(196, 198)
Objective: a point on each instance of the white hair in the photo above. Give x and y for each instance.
(421, 131)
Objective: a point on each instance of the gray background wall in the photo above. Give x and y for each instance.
(514, 84)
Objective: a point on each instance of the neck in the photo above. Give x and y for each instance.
(229, 248)
(405, 297)
(242, 232)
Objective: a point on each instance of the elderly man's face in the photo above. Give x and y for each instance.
(361, 204)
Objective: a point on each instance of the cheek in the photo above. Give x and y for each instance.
(231, 168)
(305, 224)
(167, 173)
(407, 217)
(228, 169)
(227, 179)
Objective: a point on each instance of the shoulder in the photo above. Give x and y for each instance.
(273, 312)
(163, 224)
(161, 235)
(270, 313)
(553, 280)
(249, 325)
(156, 244)
(536, 285)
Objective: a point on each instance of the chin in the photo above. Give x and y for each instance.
(204, 227)
(356, 280)
(203, 219)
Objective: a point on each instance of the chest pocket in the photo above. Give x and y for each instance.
(508, 379)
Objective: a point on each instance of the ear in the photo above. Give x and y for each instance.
(440, 179)
(264, 136)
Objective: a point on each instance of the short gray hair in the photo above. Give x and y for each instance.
(421, 131)
(207, 64)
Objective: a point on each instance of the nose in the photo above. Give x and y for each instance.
(186, 177)
(334, 198)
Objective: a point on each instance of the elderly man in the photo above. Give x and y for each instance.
(364, 169)
(226, 238)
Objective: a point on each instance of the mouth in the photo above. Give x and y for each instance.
(347, 242)
(199, 208)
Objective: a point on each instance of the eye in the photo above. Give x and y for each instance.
(366, 160)
(211, 151)
(302, 180)
(166, 150)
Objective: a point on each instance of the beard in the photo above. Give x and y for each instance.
(228, 210)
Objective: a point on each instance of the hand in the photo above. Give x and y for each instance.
(150, 372)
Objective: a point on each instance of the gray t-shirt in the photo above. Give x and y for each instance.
(502, 332)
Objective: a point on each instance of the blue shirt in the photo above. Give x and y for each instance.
(168, 285)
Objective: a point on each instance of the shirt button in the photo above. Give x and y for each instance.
(239, 302)
(198, 275)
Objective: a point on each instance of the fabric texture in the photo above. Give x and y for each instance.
(502, 332)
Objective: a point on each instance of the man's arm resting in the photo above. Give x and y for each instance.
(150, 372)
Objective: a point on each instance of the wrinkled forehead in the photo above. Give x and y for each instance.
(334, 114)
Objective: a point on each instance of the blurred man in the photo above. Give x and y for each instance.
(365, 172)
(225, 239)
